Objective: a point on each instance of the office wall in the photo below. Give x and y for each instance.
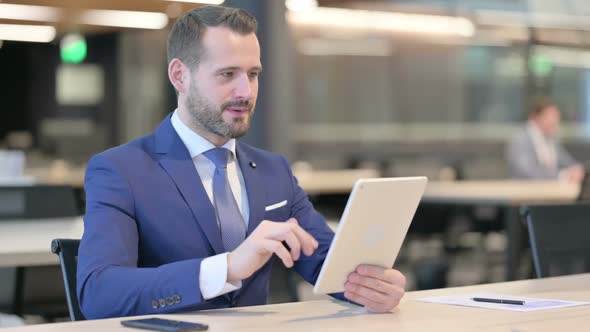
(29, 88)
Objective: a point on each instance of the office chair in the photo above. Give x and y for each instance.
(37, 289)
(584, 193)
(67, 250)
(559, 238)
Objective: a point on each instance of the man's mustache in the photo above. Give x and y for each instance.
(238, 103)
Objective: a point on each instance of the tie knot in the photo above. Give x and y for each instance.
(218, 156)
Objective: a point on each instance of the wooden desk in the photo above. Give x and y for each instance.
(501, 191)
(332, 181)
(28, 242)
(507, 195)
(411, 315)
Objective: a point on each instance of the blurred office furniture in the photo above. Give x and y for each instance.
(24, 242)
(12, 165)
(508, 196)
(584, 193)
(7, 320)
(67, 250)
(37, 202)
(74, 139)
(559, 238)
(431, 273)
(19, 140)
(38, 286)
(57, 172)
(332, 181)
(30, 217)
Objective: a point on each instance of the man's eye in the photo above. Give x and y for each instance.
(254, 74)
(228, 74)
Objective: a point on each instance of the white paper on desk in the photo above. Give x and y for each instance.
(531, 303)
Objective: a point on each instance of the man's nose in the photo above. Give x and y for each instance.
(244, 87)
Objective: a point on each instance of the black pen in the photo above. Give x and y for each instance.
(502, 301)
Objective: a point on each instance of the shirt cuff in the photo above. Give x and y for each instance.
(213, 277)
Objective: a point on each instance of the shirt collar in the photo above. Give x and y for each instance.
(535, 132)
(195, 143)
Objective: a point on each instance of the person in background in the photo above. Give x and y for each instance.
(188, 218)
(535, 154)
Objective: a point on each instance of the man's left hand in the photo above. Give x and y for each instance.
(377, 288)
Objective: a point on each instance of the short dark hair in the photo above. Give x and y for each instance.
(184, 40)
(539, 104)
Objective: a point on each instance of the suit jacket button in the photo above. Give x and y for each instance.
(162, 303)
(155, 304)
(170, 300)
(176, 299)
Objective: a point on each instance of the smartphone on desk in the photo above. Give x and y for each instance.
(166, 325)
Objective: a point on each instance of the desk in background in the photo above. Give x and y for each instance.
(411, 315)
(58, 172)
(501, 191)
(507, 195)
(28, 242)
(26, 245)
(332, 181)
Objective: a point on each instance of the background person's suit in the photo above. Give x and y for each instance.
(524, 161)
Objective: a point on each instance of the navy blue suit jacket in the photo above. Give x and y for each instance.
(149, 223)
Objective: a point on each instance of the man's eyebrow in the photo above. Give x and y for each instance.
(231, 68)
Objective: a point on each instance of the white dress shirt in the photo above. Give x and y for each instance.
(544, 147)
(213, 275)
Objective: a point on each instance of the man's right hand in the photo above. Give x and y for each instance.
(266, 240)
(573, 174)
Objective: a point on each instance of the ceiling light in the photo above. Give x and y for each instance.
(331, 47)
(300, 5)
(114, 18)
(29, 13)
(123, 18)
(384, 21)
(29, 33)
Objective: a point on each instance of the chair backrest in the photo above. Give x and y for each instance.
(559, 236)
(584, 193)
(67, 250)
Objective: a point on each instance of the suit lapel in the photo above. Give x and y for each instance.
(254, 187)
(176, 161)
(256, 195)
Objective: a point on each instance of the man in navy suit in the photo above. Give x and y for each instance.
(187, 218)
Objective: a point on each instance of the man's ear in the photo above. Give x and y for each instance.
(179, 75)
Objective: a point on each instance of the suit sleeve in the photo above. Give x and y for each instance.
(564, 158)
(109, 282)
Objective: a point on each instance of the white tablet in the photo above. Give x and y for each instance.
(372, 228)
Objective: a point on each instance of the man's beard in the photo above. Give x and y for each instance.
(207, 116)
